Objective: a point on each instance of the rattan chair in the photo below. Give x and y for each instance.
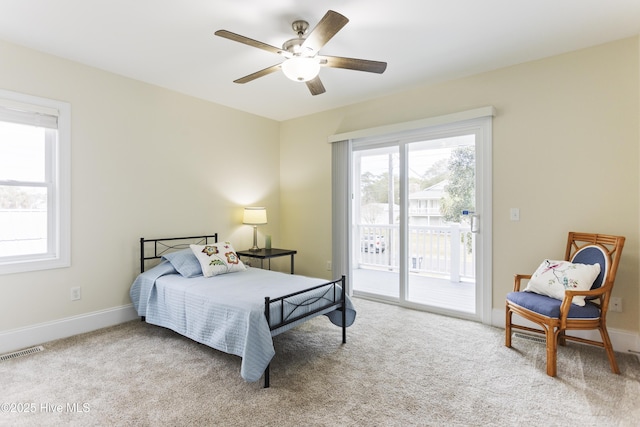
(555, 316)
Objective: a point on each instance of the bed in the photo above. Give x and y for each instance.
(237, 311)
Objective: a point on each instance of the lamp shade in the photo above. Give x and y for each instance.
(300, 68)
(255, 216)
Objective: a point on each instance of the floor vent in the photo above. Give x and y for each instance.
(21, 353)
(530, 337)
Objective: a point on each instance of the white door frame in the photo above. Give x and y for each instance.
(479, 119)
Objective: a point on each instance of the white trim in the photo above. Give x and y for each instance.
(485, 198)
(489, 111)
(37, 334)
(623, 341)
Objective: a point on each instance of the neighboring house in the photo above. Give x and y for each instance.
(424, 205)
(379, 224)
(424, 208)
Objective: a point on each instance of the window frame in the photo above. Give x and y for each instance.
(57, 181)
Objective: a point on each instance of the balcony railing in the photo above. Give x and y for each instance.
(445, 251)
(425, 211)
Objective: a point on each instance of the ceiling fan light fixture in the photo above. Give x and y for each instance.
(301, 68)
(302, 59)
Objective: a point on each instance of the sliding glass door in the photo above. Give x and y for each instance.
(415, 220)
(441, 245)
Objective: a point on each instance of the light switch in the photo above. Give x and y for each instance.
(515, 214)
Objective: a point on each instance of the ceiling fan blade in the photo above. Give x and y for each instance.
(258, 74)
(251, 42)
(315, 86)
(329, 25)
(353, 64)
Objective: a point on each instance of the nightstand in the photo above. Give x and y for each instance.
(267, 254)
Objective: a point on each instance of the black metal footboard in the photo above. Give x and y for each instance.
(334, 296)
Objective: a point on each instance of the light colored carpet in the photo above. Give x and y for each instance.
(399, 367)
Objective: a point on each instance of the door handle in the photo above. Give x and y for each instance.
(474, 218)
(475, 223)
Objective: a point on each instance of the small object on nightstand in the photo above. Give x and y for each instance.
(267, 254)
(267, 242)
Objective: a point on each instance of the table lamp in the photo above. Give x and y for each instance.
(255, 216)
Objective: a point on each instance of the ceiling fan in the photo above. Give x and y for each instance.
(302, 61)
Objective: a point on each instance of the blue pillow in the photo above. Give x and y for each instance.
(185, 262)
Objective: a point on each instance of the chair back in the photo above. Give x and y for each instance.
(594, 254)
(588, 248)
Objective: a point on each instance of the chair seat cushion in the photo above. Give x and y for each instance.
(550, 307)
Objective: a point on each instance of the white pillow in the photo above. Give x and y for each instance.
(217, 258)
(552, 278)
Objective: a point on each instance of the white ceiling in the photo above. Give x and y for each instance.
(170, 43)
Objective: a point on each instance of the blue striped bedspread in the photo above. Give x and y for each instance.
(226, 312)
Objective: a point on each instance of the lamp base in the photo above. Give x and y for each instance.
(255, 239)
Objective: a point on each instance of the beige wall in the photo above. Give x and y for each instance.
(145, 162)
(150, 162)
(565, 151)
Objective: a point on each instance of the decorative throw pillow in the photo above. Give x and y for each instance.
(217, 258)
(185, 262)
(552, 278)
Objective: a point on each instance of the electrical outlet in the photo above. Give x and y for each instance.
(615, 304)
(514, 214)
(76, 294)
(329, 265)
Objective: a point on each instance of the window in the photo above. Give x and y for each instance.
(34, 183)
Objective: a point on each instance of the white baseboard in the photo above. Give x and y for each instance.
(17, 339)
(623, 341)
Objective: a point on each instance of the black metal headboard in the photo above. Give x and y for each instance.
(155, 248)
